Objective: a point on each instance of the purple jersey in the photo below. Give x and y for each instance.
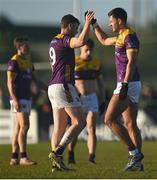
(23, 69)
(126, 40)
(62, 60)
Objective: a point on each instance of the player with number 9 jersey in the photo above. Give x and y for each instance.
(61, 91)
(62, 60)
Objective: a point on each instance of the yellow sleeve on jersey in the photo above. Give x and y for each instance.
(81, 65)
(121, 37)
(23, 64)
(59, 36)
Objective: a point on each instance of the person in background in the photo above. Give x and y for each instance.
(2, 106)
(88, 82)
(125, 97)
(148, 97)
(20, 72)
(41, 104)
(61, 91)
(148, 102)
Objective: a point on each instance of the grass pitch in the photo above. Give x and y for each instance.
(111, 157)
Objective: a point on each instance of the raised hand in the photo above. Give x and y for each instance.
(89, 16)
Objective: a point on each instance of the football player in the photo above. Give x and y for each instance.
(20, 73)
(88, 82)
(62, 93)
(126, 95)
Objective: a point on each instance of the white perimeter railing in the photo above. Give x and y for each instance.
(7, 125)
(147, 127)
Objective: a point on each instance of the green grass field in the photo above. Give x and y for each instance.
(111, 157)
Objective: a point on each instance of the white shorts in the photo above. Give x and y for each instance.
(25, 106)
(90, 102)
(61, 98)
(134, 89)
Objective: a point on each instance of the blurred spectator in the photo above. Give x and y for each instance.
(1, 99)
(148, 97)
(41, 104)
(4, 102)
(148, 101)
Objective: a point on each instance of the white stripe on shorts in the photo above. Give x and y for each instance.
(134, 89)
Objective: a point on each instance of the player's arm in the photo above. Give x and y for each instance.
(10, 84)
(132, 56)
(79, 41)
(102, 36)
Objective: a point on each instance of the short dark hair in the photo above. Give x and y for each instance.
(90, 43)
(18, 41)
(118, 13)
(67, 19)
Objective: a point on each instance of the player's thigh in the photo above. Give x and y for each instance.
(59, 118)
(23, 119)
(76, 114)
(115, 107)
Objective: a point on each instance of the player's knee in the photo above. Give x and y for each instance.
(108, 121)
(24, 128)
(90, 129)
(127, 124)
(16, 131)
(130, 125)
(79, 123)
